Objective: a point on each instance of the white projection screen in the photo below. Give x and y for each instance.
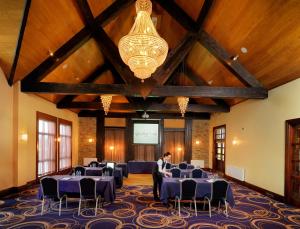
(145, 133)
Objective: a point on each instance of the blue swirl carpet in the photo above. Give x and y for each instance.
(134, 208)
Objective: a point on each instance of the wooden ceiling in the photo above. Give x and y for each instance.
(67, 52)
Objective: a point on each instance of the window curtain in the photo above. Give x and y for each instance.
(114, 144)
(174, 143)
(46, 147)
(65, 149)
(144, 152)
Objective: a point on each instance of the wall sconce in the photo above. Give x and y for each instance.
(111, 147)
(58, 139)
(235, 142)
(24, 137)
(179, 149)
(90, 140)
(197, 142)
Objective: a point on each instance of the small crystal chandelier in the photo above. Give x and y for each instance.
(182, 103)
(106, 101)
(143, 50)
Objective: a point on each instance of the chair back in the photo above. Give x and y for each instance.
(197, 173)
(168, 166)
(94, 164)
(49, 187)
(79, 171)
(101, 164)
(188, 189)
(87, 188)
(108, 171)
(183, 165)
(175, 172)
(219, 190)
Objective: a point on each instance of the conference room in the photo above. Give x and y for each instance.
(149, 114)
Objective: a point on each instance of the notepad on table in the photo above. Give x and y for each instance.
(66, 178)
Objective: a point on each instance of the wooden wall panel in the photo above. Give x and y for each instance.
(268, 29)
(11, 14)
(50, 24)
(97, 6)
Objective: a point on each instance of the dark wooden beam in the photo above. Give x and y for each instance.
(188, 140)
(93, 113)
(90, 79)
(19, 43)
(126, 107)
(159, 91)
(225, 58)
(207, 41)
(100, 135)
(41, 71)
(199, 81)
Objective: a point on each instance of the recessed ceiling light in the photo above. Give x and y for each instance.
(244, 50)
(77, 78)
(65, 66)
(210, 82)
(51, 53)
(89, 61)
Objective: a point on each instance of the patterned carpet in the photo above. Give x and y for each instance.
(134, 208)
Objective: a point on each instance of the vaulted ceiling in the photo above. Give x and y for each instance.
(66, 52)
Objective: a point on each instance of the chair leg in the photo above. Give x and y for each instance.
(60, 200)
(209, 206)
(79, 207)
(226, 208)
(219, 206)
(204, 202)
(179, 207)
(66, 202)
(43, 202)
(195, 206)
(96, 206)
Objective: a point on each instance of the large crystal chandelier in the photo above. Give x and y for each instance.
(143, 50)
(106, 101)
(182, 103)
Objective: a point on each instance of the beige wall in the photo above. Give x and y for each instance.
(18, 116)
(6, 139)
(258, 126)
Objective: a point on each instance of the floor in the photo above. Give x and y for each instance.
(134, 208)
(138, 179)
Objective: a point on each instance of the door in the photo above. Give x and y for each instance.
(292, 165)
(219, 148)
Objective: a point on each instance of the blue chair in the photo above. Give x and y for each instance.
(175, 172)
(168, 166)
(107, 171)
(188, 188)
(50, 190)
(88, 191)
(182, 165)
(94, 164)
(79, 171)
(197, 173)
(218, 196)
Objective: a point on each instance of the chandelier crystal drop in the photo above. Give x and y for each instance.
(182, 103)
(106, 101)
(143, 50)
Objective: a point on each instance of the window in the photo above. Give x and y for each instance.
(46, 144)
(65, 144)
(54, 141)
(220, 143)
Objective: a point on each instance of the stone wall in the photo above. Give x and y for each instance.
(87, 138)
(200, 141)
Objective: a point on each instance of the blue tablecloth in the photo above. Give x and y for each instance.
(97, 171)
(70, 185)
(189, 166)
(124, 168)
(141, 166)
(188, 173)
(171, 187)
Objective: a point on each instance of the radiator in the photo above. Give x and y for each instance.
(236, 172)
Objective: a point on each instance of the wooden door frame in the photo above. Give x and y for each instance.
(289, 136)
(214, 148)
